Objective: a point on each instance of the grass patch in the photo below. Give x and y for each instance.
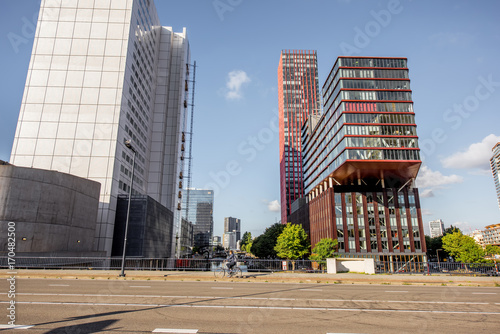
(443, 284)
(497, 285)
(405, 283)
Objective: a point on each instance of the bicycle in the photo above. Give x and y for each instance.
(223, 271)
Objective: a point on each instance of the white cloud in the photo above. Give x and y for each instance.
(274, 206)
(430, 179)
(477, 156)
(235, 79)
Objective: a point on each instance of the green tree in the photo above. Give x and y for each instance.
(248, 247)
(263, 245)
(324, 249)
(292, 244)
(435, 245)
(492, 250)
(246, 239)
(463, 248)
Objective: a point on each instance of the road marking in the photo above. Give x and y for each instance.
(220, 288)
(484, 293)
(177, 331)
(257, 298)
(15, 326)
(396, 291)
(139, 286)
(263, 308)
(58, 284)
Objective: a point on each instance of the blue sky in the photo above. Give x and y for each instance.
(452, 48)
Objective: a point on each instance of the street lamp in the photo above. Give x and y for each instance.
(129, 146)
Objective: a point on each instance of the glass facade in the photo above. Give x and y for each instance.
(359, 157)
(366, 117)
(298, 99)
(200, 213)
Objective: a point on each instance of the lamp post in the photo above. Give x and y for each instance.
(129, 146)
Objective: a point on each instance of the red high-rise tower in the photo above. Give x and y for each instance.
(298, 91)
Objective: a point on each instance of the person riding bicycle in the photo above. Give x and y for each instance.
(231, 260)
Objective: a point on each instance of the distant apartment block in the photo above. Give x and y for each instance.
(232, 224)
(101, 73)
(229, 240)
(436, 228)
(491, 235)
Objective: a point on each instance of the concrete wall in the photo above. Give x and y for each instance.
(360, 265)
(54, 212)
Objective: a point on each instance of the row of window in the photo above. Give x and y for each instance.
(381, 142)
(381, 130)
(380, 118)
(332, 91)
(372, 62)
(332, 81)
(383, 155)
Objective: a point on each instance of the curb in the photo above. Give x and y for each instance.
(306, 278)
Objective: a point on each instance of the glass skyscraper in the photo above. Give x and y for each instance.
(298, 93)
(102, 72)
(360, 160)
(199, 211)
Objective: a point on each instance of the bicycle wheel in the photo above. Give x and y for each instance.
(219, 272)
(237, 272)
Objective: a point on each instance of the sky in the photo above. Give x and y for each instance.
(452, 48)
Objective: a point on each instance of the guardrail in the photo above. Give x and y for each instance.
(251, 265)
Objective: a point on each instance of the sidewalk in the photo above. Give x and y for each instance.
(264, 277)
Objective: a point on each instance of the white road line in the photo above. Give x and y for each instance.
(177, 331)
(139, 286)
(221, 288)
(397, 291)
(15, 326)
(266, 308)
(258, 298)
(484, 293)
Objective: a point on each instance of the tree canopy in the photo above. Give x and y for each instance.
(263, 245)
(246, 239)
(463, 248)
(292, 244)
(324, 249)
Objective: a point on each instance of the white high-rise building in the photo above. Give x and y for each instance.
(436, 228)
(102, 72)
(495, 169)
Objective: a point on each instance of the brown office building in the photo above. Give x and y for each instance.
(360, 160)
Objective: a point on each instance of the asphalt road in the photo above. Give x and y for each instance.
(99, 306)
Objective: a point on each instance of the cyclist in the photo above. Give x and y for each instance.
(231, 260)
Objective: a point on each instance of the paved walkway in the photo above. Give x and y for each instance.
(277, 277)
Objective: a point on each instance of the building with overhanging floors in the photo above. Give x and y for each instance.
(360, 160)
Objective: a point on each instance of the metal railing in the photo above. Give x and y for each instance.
(250, 265)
